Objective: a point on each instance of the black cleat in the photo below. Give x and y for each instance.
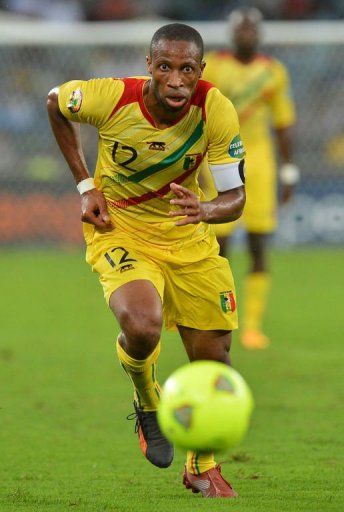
(154, 445)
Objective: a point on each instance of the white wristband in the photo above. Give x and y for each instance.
(85, 185)
(289, 174)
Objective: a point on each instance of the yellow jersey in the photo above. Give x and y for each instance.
(259, 90)
(137, 162)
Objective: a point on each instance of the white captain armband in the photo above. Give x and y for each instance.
(228, 176)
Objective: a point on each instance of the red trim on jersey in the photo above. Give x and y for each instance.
(133, 92)
(130, 92)
(143, 106)
(198, 98)
(200, 95)
(161, 192)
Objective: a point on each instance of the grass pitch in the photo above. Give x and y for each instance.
(65, 443)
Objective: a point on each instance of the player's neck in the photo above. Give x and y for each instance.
(245, 56)
(162, 118)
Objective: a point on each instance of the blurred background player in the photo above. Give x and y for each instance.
(258, 86)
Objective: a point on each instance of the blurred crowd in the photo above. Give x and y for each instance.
(106, 10)
(32, 172)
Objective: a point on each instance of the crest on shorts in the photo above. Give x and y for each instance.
(75, 101)
(227, 301)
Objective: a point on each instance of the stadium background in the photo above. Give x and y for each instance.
(64, 441)
(37, 54)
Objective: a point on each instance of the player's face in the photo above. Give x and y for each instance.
(176, 67)
(246, 37)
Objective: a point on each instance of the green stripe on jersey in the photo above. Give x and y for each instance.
(169, 160)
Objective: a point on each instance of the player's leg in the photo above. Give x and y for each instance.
(256, 291)
(138, 309)
(133, 286)
(260, 221)
(200, 299)
(202, 474)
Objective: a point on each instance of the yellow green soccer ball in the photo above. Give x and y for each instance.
(205, 406)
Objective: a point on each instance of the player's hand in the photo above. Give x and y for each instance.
(190, 207)
(287, 192)
(94, 209)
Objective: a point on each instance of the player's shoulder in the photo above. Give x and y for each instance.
(124, 83)
(207, 93)
(271, 62)
(217, 104)
(220, 55)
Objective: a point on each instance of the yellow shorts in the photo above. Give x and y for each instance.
(259, 214)
(195, 284)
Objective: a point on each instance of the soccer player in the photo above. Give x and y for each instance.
(258, 86)
(147, 231)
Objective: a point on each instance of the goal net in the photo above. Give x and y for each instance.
(38, 202)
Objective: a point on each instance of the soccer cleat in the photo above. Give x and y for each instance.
(154, 445)
(254, 340)
(210, 483)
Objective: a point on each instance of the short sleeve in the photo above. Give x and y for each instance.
(224, 140)
(90, 101)
(281, 101)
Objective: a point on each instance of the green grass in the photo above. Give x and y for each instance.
(65, 443)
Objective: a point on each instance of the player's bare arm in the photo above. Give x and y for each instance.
(289, 173)
(67, 134)
(226, 207)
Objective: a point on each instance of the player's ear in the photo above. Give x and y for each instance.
(203, 64)
(149, 64)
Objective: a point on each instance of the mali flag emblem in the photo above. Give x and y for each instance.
(227, 301)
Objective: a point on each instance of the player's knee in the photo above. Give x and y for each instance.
(142, 329)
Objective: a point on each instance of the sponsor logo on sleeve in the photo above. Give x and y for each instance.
(236, 148)
(75, 101)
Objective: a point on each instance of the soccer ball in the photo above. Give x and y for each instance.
(205, 406)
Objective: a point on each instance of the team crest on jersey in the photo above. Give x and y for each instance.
(75, 101)
(227, 301)
(192, 161)
(236, 148)
(157, 146)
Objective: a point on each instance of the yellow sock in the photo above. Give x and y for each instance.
(257, 287)
(197, 463)
(142, 374)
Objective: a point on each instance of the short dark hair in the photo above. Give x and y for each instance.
(178, 32)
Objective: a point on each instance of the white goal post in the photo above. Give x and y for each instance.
(139, 33)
